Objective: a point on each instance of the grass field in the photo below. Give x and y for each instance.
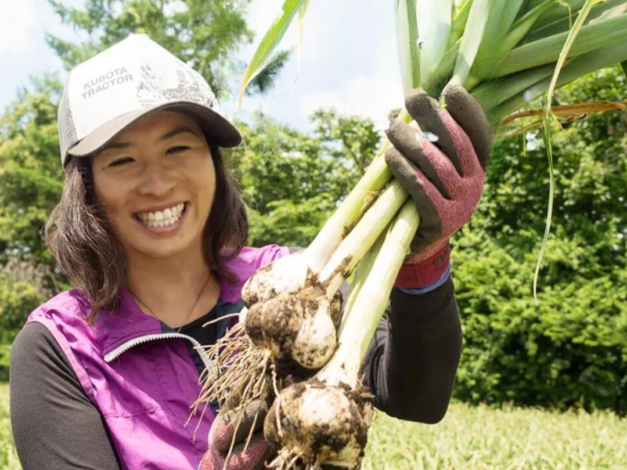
(8, 457)
(469, 438)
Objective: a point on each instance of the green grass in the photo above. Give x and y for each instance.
(482, 438)
(8, 456)
(469, 438)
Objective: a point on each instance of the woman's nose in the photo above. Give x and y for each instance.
(156, 180)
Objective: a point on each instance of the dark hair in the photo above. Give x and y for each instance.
(85, 248)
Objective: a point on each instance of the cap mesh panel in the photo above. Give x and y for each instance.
(67, 130)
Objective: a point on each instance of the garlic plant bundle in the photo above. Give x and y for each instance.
(325, 420)
(506, 53)
(292, 322)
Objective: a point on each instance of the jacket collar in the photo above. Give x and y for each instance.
(113, 329)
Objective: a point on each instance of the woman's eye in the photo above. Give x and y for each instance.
(178, 149)
(121, 161)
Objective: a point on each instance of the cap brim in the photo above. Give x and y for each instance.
(218, 129)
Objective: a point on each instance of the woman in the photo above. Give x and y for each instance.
(150, 229)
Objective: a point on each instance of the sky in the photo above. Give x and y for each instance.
(348, 57)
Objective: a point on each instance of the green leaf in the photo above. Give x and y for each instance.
(593, 36)
(434, 24)
(624, 66)
(472, 38)
(270, 42)
(576, 68)
(504, 40)
(493, 93)
(525, 23)
(459, 22)
(548, 121)
(489, 22)
(564, 9)
(564, 24)
(408, 50)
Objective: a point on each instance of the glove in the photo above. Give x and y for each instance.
(225, 431)
(445, 178)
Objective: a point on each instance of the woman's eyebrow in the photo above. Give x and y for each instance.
(169, 135)
(178, 130)
(115, 145)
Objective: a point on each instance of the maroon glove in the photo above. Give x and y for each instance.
(445, 178)
(225, 432)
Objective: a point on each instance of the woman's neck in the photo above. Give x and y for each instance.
(176, 290)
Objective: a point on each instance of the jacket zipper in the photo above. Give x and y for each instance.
(117, 352)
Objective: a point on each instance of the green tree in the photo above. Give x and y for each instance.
(30, 171)
(292, 181)
(570, 348)
(23, 287)
(202, 33)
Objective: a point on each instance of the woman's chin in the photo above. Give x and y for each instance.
(164, 249)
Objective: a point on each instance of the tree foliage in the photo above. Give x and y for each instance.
(570, 348)
(30, 171)
(292, 181)
(23, 287)
(202, 33)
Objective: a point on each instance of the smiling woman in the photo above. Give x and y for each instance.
(151, 229)
(161, 166)
(150, 195)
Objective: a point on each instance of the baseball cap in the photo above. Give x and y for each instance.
(109, 92)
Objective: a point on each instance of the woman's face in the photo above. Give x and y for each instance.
(157, 181)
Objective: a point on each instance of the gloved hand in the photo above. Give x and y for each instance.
(225, 430)
(445, 178)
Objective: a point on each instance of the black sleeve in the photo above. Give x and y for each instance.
(412, 360)
(55, 425)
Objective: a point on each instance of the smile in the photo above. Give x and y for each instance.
(163, 218)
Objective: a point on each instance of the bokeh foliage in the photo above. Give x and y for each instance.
(571, 348)
(292, 181)
(202, 33)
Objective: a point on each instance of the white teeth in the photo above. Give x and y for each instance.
(162, 218)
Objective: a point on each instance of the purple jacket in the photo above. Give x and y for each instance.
(140, 374)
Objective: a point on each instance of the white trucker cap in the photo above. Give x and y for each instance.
(107, 93)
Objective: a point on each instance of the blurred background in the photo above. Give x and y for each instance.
(555, 371)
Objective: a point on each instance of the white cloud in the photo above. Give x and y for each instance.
(260, 14)
(370, 96)
(18, 25)
(23, 49)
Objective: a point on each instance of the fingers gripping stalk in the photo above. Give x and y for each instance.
(445, 178)
(236, 440)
